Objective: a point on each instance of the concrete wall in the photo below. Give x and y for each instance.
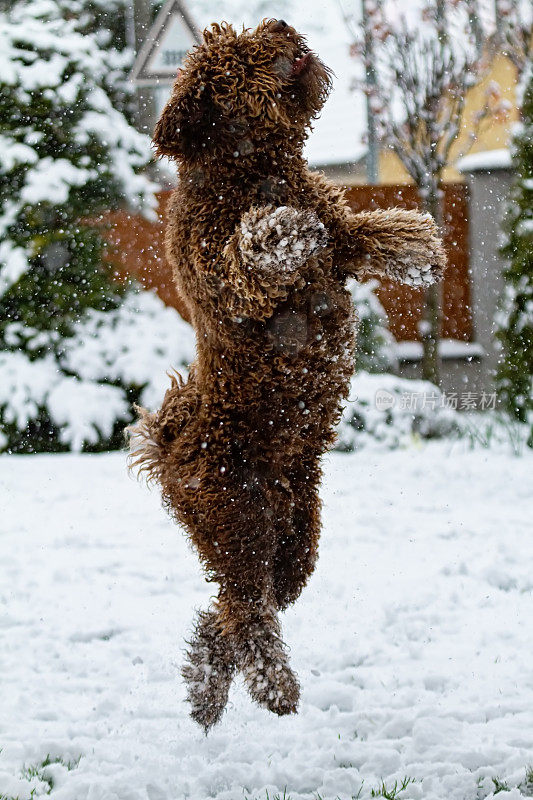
(457, 375)
(489, 192)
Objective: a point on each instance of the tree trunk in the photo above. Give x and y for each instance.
(430, 325)
(372, 166)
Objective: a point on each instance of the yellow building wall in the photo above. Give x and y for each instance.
(493, 134)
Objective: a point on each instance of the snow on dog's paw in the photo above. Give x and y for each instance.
(420, 277)
(267, 674)
(281, 237)
(208, 672)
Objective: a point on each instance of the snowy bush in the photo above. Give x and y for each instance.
(68, 153)
(390, 411)
(382, 408)
(374, 343)
(80, 396)
(515, 318)
(135, 345)
(65, 146)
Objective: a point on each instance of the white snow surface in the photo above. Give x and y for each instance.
(412, 641)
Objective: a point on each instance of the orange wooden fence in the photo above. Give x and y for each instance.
(404, 305)
(137, 249)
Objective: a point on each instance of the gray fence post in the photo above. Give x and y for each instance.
(489, 177)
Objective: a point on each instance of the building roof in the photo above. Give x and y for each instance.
(485, 161)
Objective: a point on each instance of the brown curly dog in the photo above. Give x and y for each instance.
(261, 250)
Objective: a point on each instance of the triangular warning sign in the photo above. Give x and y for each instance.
(170, 37)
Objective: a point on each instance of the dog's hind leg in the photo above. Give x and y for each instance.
(254, 647)
(209, 670)
(237, 540)
(299, 533)
(262, 658)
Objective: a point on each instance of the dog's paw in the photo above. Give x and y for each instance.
(420, 277)
(208, 672)
(263, 661)
(280, 238)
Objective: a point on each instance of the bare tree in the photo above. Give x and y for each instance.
(422, 70)
(514, 34)
(431, 82)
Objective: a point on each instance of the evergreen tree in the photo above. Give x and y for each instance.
(374, 342)
(67, 153)
(515, 320)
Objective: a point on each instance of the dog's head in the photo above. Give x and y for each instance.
(240, 93)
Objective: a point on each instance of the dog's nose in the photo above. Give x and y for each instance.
(279, 26)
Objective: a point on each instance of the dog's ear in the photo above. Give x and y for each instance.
(167, 133)
(178, 131)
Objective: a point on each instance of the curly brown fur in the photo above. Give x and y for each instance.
(261, 248)
(150, 437)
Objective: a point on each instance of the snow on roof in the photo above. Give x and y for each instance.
(487, 160)
(449, 349)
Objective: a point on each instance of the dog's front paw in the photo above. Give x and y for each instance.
(423, 276)
(425, 260)
(283, 237)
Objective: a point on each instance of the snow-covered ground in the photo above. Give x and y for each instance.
(413, 640)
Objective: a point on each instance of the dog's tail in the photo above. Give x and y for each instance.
(151, 437)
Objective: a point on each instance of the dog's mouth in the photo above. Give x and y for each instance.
(301, 64)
